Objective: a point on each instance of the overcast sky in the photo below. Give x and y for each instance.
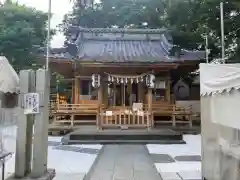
(59, 8)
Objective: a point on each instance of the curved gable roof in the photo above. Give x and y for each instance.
(124, 45)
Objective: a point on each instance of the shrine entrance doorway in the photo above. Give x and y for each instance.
(125, 94)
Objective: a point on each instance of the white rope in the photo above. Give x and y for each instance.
(124, 76)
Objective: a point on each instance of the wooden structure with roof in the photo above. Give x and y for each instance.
(121, 78)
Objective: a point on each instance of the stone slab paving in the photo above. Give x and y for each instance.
(190, 175)
(74, 148)
(77, 149)
(124, 162)
(54, 143)
(162, 158)
(170, 176)
(69, 176)
(188, 158)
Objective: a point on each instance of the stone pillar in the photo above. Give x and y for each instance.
(25, 127)
(40, 141)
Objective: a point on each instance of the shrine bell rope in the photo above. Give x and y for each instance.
(125, 79)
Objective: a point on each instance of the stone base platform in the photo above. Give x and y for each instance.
(92, 135)
(50, 174)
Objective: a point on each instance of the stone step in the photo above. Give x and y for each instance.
(81, 136)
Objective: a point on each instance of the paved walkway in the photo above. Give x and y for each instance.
(124, 162)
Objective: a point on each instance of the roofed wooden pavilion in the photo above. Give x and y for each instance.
(121, 77)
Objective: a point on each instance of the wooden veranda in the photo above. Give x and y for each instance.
(131, 102)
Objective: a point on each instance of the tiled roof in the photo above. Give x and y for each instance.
(192, 55)
(124, 45)
(76, 29)
(124, 49)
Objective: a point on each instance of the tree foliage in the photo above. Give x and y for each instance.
(203, 18)
(22, 30)
(188, 20)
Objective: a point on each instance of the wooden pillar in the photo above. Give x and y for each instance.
(114, 94)
(100, 114)
(150, 116)
(168, 90)
(73, 91)
(57, 100)
(122, 94)
(77, 90)
(105, 93)
(140, 92)
(130, 93)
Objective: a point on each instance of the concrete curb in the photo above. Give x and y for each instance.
(107, 142)
(89, 173)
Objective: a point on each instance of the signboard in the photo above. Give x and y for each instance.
(137, 106)
(160, 85)
(31, 103)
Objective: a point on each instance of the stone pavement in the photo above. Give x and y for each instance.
(124, 162)
(69, 176)
(178, 161)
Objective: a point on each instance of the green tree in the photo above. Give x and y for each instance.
(122, 13)
(204, 18)
(22, 31)
(188, 20)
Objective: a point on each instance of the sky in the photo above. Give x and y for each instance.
(59, 8)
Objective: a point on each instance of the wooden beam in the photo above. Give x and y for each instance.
(66, 79)
(84, 77)
(135, 65)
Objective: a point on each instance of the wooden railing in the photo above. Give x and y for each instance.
(176, 113)
(85, 109)
(125, 118)
(88, 101)
(62, 112)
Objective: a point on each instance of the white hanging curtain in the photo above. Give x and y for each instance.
(9, 80)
